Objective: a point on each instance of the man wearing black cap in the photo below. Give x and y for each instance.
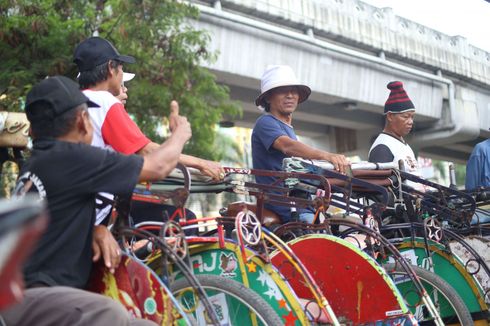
(67, 172)
(101, 73)
(390, 146)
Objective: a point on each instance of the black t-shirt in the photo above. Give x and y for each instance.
(68, 176)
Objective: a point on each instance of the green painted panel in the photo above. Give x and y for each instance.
(224, 262)
(448, 268)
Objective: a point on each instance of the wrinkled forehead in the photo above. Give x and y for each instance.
(407, 114)
(403, 115)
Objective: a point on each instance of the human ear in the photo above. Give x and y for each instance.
(84, 122)
(109, 70)
(81, 122)
(389, 117)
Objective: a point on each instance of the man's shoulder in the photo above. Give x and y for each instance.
(103, 98)
(384, 137)
(265, 118)
(388, 140)
(72, 146)
(69, 151)
(483, 146)
(379, 140)
(269, 121)
(380, 153)
(86, 157)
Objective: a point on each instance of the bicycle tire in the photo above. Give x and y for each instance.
(434, 280)
(263, 311)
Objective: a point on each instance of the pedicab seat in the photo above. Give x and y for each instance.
(268, 217)
(379, 174)
(377, 177)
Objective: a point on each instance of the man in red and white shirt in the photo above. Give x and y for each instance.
(101, 75)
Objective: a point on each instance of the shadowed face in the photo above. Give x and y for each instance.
(115, 80)
(123, 96)
(283, 100)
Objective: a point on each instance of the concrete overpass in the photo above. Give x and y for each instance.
(347, 51)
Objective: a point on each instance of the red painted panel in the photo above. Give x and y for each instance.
(354, 288)
(134, 285)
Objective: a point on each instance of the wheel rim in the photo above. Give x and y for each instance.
(227, 305)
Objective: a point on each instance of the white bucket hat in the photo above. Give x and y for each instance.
(278, 76)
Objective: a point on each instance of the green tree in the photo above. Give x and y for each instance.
(37, 38)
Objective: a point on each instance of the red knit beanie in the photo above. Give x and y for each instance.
(398, 101)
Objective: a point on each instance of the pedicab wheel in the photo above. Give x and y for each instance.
(447, 301)
(234, 303)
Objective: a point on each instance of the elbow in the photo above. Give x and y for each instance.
(156, 170)
(164, 169)
(287, 150)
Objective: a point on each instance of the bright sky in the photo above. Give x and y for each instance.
(468, 18)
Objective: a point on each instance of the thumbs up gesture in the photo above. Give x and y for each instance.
(174, 114)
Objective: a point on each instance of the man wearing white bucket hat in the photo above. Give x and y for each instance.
(273, 136)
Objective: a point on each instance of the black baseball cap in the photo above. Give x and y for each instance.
(58, 93)
(95, 51)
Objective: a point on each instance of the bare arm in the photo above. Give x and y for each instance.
(160, 160)
(291, 147)
(209, 168)
(150, 147)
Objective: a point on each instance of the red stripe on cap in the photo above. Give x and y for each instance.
(398, 96)
(398, 101)
(394, 85)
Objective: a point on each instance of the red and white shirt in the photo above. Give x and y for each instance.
(113, 128)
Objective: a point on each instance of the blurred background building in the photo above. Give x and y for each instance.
(347, 51)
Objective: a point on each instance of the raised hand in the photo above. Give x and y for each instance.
(182, 128)
(174, 113)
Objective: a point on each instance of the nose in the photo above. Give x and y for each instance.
(291, 93)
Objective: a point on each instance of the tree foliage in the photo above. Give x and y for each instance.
(37, 39)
